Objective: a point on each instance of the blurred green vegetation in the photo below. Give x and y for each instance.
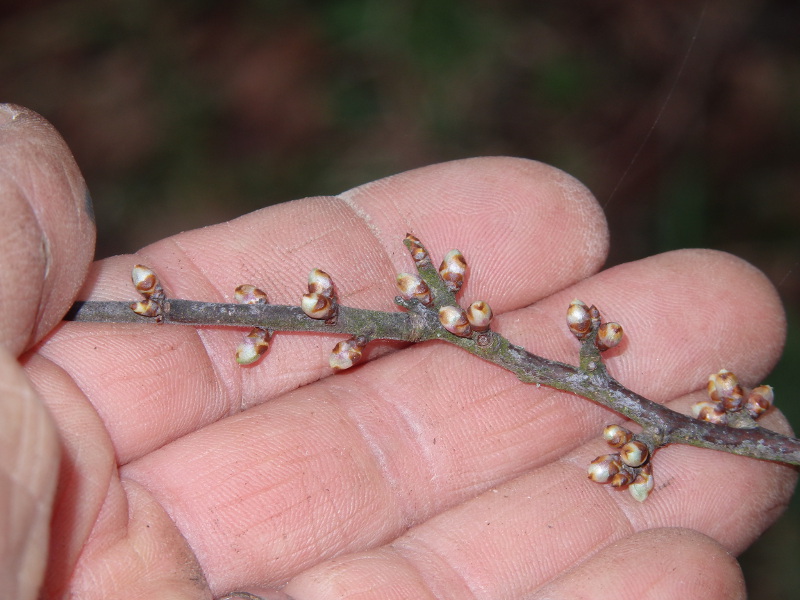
(683, 119)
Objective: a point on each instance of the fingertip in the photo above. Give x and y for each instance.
(47, 230)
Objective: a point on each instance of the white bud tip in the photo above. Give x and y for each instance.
(319, 282)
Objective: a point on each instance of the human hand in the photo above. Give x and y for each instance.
(425, 473)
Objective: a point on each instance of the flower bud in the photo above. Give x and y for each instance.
(454, 319)
(148, 308)
(604, 467)
(643, 484)
(617, 435)
(713, 412)
(724, 387)
(255, 344)
(249, 294)
(319, 282)
(418, 252)
(452, 270)
(608, 336)
(318, 306)
(413, 287)
(579, 320)
(145, 281)
(347, 353)
(621, 480)
(479, 315)
(760, 400)
(635, 453)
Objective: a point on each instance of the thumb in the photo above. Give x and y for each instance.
(46, 228)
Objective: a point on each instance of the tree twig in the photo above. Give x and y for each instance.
(432, 312)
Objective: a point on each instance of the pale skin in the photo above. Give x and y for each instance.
(158, 468)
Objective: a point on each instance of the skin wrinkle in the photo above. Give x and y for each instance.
(373, 445)
(358, 414)
(207, 336)
(440, 585)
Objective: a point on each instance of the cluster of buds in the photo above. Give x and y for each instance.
(147, 284)
(583, 320)
(320, 301)
(255, 343)
(629, 468)
(726, 396)
(462, 322)
(455, 319)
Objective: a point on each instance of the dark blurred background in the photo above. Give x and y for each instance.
(682, 117)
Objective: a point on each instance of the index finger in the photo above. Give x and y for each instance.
(525, 228)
